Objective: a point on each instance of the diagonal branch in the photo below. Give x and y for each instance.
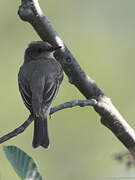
(30, 11)
(70, 104)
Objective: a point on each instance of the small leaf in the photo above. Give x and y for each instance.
(23, 164)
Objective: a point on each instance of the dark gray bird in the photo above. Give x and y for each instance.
(39, 79)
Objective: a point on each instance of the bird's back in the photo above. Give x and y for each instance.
(35, 77)
(40, 66)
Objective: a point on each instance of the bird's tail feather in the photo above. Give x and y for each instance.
(41, 137)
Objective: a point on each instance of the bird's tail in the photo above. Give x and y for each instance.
(41, 137)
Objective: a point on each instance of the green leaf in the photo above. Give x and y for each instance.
(23, 164)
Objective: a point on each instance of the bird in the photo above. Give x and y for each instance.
(39, 79)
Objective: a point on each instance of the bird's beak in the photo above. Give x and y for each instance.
(51, 49)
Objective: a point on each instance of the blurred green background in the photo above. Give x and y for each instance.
(101, 35)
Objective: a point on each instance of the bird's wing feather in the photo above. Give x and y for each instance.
(26, 95)
(50, 92)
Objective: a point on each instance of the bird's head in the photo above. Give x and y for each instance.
(38, 49)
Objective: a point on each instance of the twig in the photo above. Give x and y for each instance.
(69, 104)
(30, 11)
(17, 131)
(126, 158)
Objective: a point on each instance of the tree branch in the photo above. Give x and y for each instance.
(30, 11)
(70, 104)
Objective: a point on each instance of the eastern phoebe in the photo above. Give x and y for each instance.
(39, 79)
